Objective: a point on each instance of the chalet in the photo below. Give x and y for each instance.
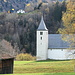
(6, 57)
(21, 11)
(6, 64)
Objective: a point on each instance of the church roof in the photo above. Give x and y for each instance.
(55, 41)
(42, 25)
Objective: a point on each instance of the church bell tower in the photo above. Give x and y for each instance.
(42, 41)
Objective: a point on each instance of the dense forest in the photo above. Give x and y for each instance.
(20, 29)
(8, 5)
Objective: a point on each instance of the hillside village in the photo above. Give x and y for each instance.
(35, 38)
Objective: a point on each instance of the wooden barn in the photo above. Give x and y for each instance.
(7, 54)
(6, 64)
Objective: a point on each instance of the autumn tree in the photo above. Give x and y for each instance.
(69, 25)
(69, 22)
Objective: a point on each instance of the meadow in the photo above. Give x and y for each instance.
(43, 68)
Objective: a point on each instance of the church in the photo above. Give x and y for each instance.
(51, 46)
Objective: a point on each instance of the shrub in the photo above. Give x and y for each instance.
(25, 57)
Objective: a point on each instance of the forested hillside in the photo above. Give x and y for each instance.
(8, 5)
(20, 29)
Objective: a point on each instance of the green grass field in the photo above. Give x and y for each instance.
(43, 74)
(43, 68)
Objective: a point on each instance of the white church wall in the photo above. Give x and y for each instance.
(60, 54)
(42, 45)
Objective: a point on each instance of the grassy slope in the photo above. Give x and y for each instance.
(43, 68)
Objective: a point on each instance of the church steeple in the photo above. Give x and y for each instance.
(42, 25)
(42, 41)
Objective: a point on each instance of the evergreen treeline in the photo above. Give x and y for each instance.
(20, 29)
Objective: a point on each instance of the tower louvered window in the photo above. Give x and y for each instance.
(41, 33)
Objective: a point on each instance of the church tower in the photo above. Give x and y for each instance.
(42, 41)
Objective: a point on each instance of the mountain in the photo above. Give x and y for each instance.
(8, 5)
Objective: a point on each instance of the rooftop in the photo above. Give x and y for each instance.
(55, 41)
(6, 56)
(6, 50)
(42, 25)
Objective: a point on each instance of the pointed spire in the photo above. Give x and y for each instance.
(42, 25)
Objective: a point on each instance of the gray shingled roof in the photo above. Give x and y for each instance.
(42, 25)
(55, 41)
(6, 50)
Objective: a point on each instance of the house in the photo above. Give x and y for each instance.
(21, 11)
(51, 46)
(6, 64)
(6, 57)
